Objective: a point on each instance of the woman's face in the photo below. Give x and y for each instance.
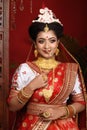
(46, 44)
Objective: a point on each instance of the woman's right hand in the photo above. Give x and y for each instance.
(39, 82)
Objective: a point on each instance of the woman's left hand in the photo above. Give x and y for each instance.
(53, 113)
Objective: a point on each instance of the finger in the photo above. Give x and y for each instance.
(44, 84)
(45, 78)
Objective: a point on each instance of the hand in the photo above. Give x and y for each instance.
(39, 81)
(53, 113)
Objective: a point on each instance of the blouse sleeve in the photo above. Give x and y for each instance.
(22, 76)
(77, 87)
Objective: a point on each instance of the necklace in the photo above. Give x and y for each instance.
(43, 63)
(47, 93)
(47, 64)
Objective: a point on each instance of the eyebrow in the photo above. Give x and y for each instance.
(48, 38)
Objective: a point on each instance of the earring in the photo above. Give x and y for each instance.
(35, 53)
(57, 51)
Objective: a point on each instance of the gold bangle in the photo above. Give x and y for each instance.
(67, 113)
(72, 110)
(26, 95)
(21, 98)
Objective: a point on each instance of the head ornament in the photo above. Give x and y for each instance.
(46, 16)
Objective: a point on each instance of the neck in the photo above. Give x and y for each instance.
(44, 63)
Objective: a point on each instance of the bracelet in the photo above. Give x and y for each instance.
(67, 113)
(23, 97)
(72, 110)
(19, 100)
(25, 94)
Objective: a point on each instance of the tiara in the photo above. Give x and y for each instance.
(46, 16)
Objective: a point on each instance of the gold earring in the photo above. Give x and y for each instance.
(35, 53)
(57, 51)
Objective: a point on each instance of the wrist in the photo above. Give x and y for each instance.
(31, 87)
(69, 111)
(23, 95)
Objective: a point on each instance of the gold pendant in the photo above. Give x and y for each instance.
(47, 94)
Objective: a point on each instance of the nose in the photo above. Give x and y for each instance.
(46, 45)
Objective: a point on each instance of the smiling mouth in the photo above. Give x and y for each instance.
(48, 52)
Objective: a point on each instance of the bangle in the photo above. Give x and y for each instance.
(25, 94)
(72, 110)
(19, 100)
(23, 97)
(67, 113)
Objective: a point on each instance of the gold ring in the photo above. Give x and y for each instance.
(46, 114)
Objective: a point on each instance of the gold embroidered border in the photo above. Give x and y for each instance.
(68, 83)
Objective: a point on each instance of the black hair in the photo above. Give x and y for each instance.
(37, 27)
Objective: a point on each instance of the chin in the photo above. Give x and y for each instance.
(47, 57)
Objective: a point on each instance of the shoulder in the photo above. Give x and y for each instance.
(72, 66)
(23, 67)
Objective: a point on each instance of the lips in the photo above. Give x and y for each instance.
(47, 51)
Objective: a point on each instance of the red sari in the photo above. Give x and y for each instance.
(64, 80)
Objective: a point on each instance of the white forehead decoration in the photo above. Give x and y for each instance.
(46, 16)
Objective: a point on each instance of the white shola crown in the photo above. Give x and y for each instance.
(46, 16)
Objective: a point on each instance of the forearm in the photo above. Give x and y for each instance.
(78, 107)
(17, 99)
(14, 104)
(72, 109)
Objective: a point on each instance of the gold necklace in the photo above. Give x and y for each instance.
(46, 63)
(48, 93)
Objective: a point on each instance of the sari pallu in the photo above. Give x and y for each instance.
(39, 124)
(66, 89)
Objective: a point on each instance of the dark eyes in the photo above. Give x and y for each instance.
(43, 41)
(53, 40)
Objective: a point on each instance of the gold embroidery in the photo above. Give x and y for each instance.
(24, 124)
(30, 117)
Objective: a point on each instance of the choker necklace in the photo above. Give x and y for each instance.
(43, 63)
